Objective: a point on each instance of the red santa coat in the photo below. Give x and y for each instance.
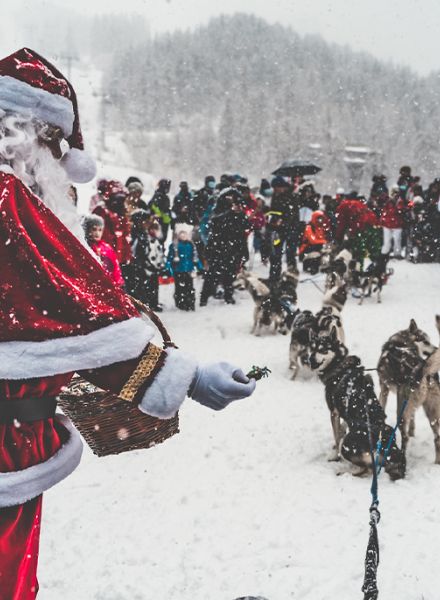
(353, 217)
(59, 313)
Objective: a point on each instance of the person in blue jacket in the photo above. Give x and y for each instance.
(182, 262)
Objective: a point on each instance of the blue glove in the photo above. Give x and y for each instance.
(216, 385)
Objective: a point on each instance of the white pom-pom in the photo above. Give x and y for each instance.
(79, 166)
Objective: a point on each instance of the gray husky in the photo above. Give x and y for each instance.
(407, 366)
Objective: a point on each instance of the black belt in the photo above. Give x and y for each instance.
(27, 409)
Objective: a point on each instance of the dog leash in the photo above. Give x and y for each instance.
(311, 280)
(369, 587)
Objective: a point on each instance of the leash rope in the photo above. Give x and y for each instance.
(369, 587)
(311, 280)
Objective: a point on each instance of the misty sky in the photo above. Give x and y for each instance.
(402, 31)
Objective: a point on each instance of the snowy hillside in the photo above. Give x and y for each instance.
(244, 501)
(106, 146)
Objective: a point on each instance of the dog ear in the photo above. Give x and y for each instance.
(413, 326)
(334, 335)
(437, 322)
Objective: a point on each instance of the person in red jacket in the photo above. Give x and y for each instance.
(60, 313)
(315, 237)
(358, 225)
(94, 229)
(116, 222)
(392, 213)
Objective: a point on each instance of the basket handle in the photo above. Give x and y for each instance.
(143, 308)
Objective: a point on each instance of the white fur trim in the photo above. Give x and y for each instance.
(79, 166)
(170, 386)
(18, 487)
(23, 98)
(105, 346)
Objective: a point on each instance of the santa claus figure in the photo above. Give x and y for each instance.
(60, 314)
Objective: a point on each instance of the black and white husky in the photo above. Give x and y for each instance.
(326, 321)
(351, 400)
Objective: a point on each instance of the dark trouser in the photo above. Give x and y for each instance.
(287, 239)
(164, 227)
(147, 290)
(218, 275)
(128, 273)
(261, 244)
(184, 294)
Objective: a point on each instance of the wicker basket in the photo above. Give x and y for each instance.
(111, 425)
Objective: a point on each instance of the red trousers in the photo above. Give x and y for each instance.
(19, 541)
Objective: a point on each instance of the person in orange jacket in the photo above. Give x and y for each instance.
(315, 237)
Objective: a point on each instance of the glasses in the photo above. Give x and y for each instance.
(49, 133)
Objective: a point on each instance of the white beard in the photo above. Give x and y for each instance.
(52, 180)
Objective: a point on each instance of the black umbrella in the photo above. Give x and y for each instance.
(294, 168)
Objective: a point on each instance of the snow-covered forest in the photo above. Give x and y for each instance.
(240, 94)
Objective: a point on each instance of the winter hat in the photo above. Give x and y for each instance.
(31, 86)
(183, 227)
(226, 198)
(111, 188)
(132, 179)
(405, 171)
(264, 185)
(279, 182)
(135, 187)
(164, 185)
(90, 221)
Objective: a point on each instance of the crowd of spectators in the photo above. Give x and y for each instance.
(216, 230)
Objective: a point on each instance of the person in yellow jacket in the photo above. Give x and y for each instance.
(160, 205)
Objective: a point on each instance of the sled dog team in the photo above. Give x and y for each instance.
(408, 364)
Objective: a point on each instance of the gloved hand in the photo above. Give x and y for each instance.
(215, 385)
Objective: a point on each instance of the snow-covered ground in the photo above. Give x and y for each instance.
(244, 501)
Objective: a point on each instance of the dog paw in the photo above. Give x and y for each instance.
(334, 457)
(360, 472)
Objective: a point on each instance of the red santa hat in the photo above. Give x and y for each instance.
(31, 86)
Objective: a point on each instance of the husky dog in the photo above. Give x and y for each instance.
(275, 305)
(352, 402)
(405, 367)
(329, 317)
(284, 294)
(304, 323)
(325, 322)
(338, 269)
(372, 279)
